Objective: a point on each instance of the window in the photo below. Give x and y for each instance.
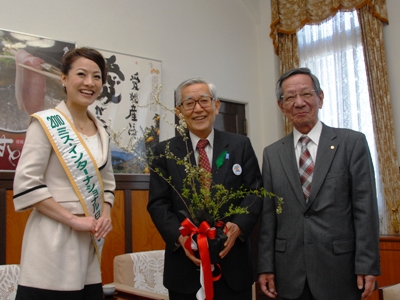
(333, 51)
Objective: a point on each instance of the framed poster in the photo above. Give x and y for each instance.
(127, 106)
(29, 82)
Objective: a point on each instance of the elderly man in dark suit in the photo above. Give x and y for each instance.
(325, 244)
(196, 101)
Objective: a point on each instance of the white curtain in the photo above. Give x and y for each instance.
(333, 52)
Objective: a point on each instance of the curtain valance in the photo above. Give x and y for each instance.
(288, 16)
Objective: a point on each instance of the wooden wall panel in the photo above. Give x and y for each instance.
(115, 241)
(390, 260)
(138, 233)
(15, 226)
(3, 193)
(374, 296)
(144, 233)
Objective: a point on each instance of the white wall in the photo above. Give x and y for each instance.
(224, 41)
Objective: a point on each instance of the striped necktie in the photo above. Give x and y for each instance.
(306, 167)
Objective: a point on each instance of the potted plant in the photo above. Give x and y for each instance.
(202, 198)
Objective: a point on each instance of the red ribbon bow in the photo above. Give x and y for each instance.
(203, 232)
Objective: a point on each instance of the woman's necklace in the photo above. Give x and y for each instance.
(84, 124)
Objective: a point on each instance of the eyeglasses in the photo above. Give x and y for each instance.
(291, 97)
(204, 102)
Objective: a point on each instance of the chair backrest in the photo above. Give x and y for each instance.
(391, 292)
(141, 270)
(9, 275)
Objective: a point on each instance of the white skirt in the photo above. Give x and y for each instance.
(57, 257)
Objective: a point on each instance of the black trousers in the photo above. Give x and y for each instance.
(221, 292)
(90, 292)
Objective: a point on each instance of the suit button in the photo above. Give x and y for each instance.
(307, 215)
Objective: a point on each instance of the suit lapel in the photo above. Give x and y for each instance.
(327, 147)
(287, 157)
(220, 144)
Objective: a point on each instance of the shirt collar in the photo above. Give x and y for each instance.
(195, 139)
(314, 134)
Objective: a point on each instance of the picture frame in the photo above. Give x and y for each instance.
(127, 107)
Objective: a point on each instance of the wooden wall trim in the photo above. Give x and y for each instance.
(6, 183)
(123, 181)
(7, 180)
(128, 220)
(3, 226)
(132, 181)
(390, 238)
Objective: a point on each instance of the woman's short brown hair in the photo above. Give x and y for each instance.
(72, 55)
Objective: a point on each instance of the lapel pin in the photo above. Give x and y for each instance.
(220, 160)
(332, 147)
(237, 169)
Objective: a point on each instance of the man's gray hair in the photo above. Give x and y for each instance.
(178, 92)
(295, 71)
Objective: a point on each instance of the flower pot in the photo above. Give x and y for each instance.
(215, 246)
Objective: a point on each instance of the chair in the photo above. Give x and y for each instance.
(142, 271)
(390, 292)
(9, 275)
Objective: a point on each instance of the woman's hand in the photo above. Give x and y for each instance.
(100, 228)
(54, 210)
(81, 223)
(104, 225)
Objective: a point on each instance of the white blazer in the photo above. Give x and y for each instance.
(40, 175)
(55, 256)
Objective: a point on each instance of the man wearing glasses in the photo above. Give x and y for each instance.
(197, 101)
(325, 244)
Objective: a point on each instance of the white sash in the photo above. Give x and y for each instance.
(77, 162)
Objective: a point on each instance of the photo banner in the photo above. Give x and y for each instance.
(29, 82)
(126, 105)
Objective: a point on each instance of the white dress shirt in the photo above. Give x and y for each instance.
(312, 146)
(209, 148)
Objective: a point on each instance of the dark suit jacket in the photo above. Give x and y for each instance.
(180, 273)
(336, 235)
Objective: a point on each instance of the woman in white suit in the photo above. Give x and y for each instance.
(69, 187)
